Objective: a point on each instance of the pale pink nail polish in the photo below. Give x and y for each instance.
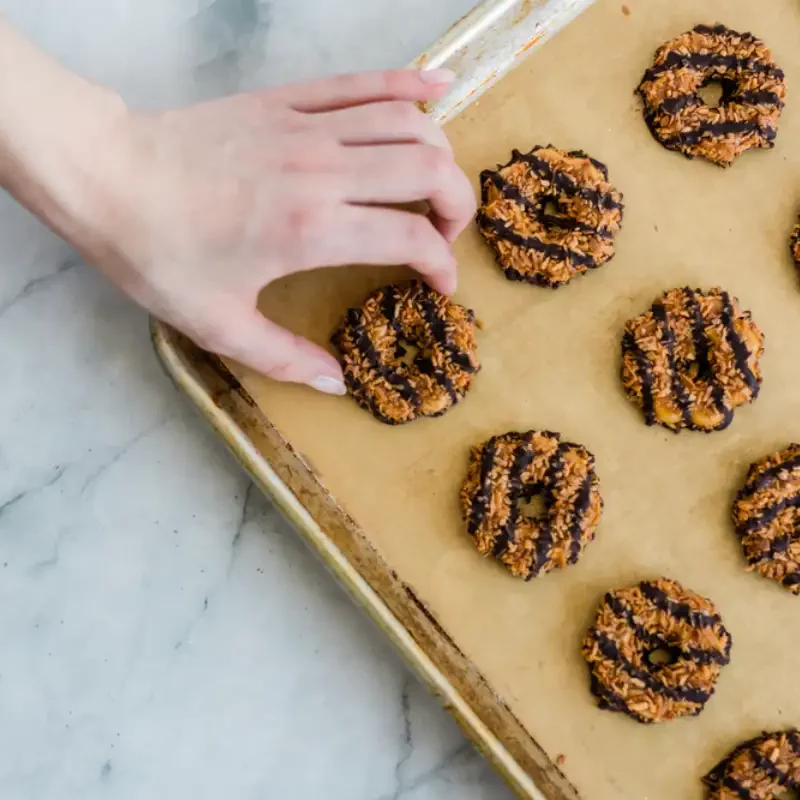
(328, 385)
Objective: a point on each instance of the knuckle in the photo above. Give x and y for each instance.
(438, 163)
(408, 115)
(419, 231)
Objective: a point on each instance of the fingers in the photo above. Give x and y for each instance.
(344, 91)
(405, 173)
(382, 123)
(246, 336)
(385, 237)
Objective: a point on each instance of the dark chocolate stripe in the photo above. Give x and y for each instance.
(668, 342)
(480, 501)
(769, 514)
(760, 97)
(731, 783)
(363, 344)
(722, 30)
(740, 352)
(702, 354)
(610, 650)
(713, 62)
(791, 579)
(655, 642)
(511, 192)
(544, 540)
(563, 183)
(778, 775)
(763, 479)
(680, 611)
(778, 545)
(580, 505)
(554, 251)
(609, 699)
(439, 334)
(717, 130)
(389, 305)
(631, 346)
(672, 105)
(522, 459)
(437, 325)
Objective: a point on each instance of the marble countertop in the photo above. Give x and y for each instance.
(163, 633)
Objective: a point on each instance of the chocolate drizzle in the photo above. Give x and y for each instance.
(685, 362)
(759, 768)
(515, 467)
(549, 249)
(750, 106)
(654, 616)
(370, 340)
(766, 514)
(668, 342)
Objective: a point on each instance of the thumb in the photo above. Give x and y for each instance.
(260, 344)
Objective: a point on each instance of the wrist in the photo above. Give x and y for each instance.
(57, 135)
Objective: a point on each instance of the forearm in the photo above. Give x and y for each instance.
(52, 128)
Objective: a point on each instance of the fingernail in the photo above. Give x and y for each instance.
(328, 385)
(440, 75)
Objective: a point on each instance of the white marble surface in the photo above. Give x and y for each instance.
(163, 634)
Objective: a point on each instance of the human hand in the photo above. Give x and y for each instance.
(193, 211)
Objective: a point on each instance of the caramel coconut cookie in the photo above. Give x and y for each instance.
(753, 93)
(766, 514)
(372, 340)
(655, 651)
(692, 359)
(549, 215)
(765, 768)
(516, 467)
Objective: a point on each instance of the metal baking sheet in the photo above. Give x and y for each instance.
(504, 655)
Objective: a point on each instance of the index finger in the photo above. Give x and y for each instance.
(343, 91)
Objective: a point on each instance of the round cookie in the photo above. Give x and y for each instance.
(549, 215)
(692, 359)
(753, 93)
(656, 617)
(766, 514)
(764, 768)
(371, 340)
(516, 467)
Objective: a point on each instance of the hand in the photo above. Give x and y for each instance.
(193, 211)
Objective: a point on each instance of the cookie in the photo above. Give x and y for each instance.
(765, 768)
(655, 651)
(549, 215)
(753, 94)
(766, 514)
(514, 468)
(373, 344)
(692, 359)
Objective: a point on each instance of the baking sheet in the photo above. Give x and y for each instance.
(551, 361)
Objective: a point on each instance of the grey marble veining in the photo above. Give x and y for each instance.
(163, 634)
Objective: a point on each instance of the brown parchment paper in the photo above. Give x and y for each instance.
(551, 361)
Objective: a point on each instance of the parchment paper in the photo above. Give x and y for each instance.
(551, 361)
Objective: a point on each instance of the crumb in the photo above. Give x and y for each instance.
(626, 11)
